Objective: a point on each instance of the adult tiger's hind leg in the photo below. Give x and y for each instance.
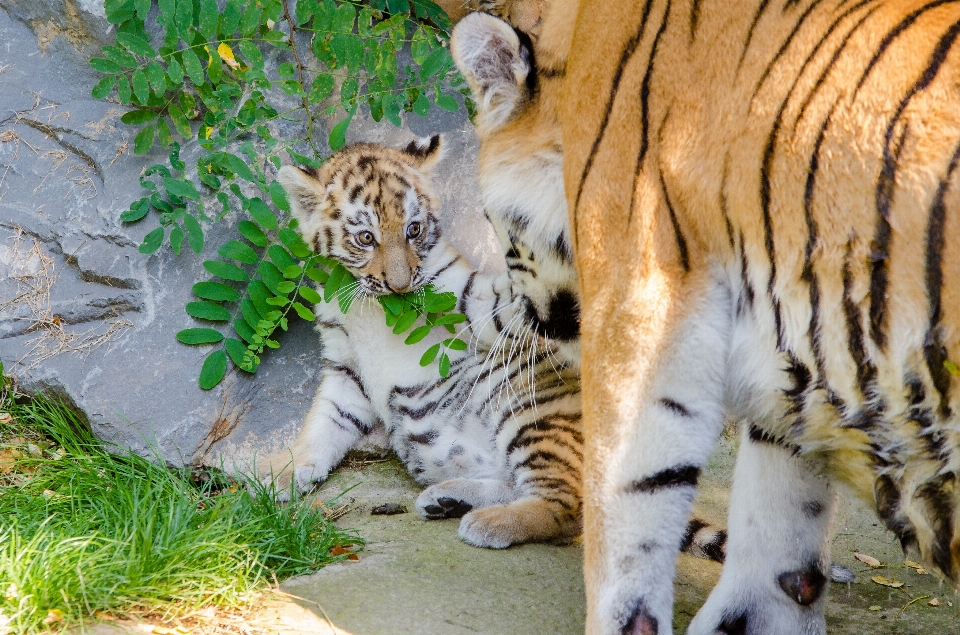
(644, 454)
(778, 552)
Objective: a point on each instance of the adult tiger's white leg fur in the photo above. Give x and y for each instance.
(640, 510)
(778, 551)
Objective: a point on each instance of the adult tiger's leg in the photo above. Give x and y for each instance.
(651, 425)
(778, 552)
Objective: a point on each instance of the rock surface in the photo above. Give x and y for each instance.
(83, 314)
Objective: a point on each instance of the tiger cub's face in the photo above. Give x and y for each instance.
(374, 210)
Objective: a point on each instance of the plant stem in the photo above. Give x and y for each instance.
(300, 68)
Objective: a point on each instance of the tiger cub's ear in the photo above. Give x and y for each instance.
(425, 153)
(307, 197)
(495, 63)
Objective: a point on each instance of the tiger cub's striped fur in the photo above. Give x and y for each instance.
(765, 205)
(500, 436)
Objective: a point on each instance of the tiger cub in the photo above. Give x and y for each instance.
(498, 440)
(499, 436)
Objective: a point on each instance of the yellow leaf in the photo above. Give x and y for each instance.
(933, 602)
(875, 607)
(207, 131)
(226, 54)
(885, 581)
(870, 561)
(53, 616)
(950, 366)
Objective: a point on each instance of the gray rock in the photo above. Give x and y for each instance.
(84, 315)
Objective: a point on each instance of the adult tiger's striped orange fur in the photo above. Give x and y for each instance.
(765, 214)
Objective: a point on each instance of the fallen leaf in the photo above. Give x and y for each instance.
(5, 417)
(163, 630)
(100, 615)
(53, 616)
(49, 493)
(353, 556)
(7, 461)
(934, 602)
(870, 561)
(182, 630)
(885, 581)
(339, 550)
(9, 135)
(875, 607)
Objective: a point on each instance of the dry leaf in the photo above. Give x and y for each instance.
(49, 493)
(100, 615)
(182, 630)
(7, 136)
(353, 556)
(163, 630)
(875, 607)
(338, 550)
(53, 616)
(870, 561)
(885, 581)
(933, 602)
(8, 459)
(5, 417)
(226, 54)
(949, 603)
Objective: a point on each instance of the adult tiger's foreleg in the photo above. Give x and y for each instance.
(778, 550)
(658, 413)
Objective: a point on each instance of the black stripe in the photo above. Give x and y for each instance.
(645, 109)
(677, 232)
(885, 186)
(351, 375)
(693, 527)
(675, 406)
(760, 436)
(753, 25)
(940, 500)
(892, 35)
(544, 459)
(783, 49)
(723, 200)
(362, 426)
(683, 476)
(833, 59)
(745, 275)
(802, 381)
(625, 56)
(694, 19)
(866, 371)
(933, 350)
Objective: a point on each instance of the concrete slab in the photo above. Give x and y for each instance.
(418, 578)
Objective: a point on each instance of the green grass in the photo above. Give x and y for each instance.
(84, 531)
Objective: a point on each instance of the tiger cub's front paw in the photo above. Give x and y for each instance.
(287, 477)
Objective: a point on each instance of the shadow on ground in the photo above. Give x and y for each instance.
(417, 578)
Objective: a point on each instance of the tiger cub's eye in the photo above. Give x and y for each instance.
(414, 229)
(365, 238)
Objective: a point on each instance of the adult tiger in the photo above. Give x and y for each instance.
(764, 205)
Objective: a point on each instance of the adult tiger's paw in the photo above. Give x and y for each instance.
(792, 603)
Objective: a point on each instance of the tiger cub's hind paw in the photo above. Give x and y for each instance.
(529, 519)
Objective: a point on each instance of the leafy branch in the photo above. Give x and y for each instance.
(203, 77)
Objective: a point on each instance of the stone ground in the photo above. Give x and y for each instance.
(418, 578)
